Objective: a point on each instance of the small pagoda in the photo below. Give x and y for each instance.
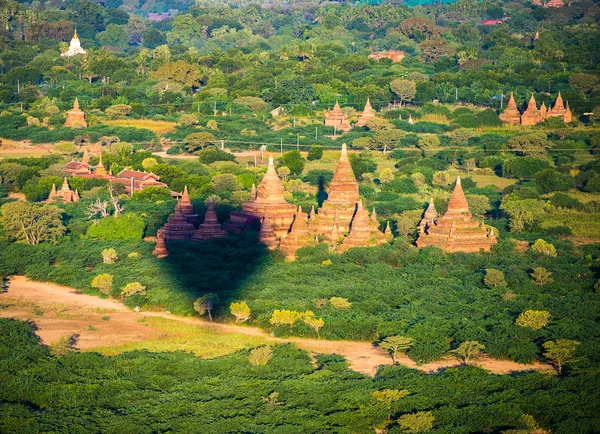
(429, 217)
(457, 230)
(559, 110)
(210, 228)
(267, 200)
(299, 235)
(65, 194)
(76, 117)
(511, 114)
(363, 231)
(160, 250)
(187, 208)
(531, 115)
(367, 115)
(267, 234)
(336, 118)
(177, 227)
(74, 47)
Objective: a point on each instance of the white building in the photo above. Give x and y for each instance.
(74, 47)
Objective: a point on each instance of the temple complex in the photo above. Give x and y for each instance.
(336, 118)
(393, 55)
(74, 47)
(65, 194)
(457, 230)
(367, 115)
(532, 115)
(76, 117)
(341, 221)
(79, 168)
(210, 228)
(268, 201)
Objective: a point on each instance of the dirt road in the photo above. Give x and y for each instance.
(59, 311)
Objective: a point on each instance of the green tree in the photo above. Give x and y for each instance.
(362, 164)
(395, 345)
(529, 144)
(315, 153)
(109, 256)
(180, 72)
(125, 227)
(533, 319)
(542, 247)
(560, 352)
(434, 49)
(196, 141)
(284, 317)
(494, 278)
(429, 144)
(468, 351)
(240, 310)
(205, 304)
(386, 175)
(404, 89)
(133, 288)
(421, 421)
(32, 223)
(541, 276)
(388, 397)
(293, 160)
(314, 323)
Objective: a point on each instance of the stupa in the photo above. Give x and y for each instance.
(511, 114)
(74, 47)
(336, 118)
(269, 201)
(76, 117)
(267, 234)
(177, 227)
(367, 114)
(65, 194)
(160, 250)
(298, 236)
(429, 217)
(457, 230)
(187, 208)
(363, 231)
(559, 110)
(100, 170)
(210, 228)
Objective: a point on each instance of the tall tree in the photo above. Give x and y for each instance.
(32, 223)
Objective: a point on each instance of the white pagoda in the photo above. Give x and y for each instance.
(74, 47)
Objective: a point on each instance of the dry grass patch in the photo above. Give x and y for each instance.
(159, 127)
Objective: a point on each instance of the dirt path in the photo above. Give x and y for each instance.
(60, 311)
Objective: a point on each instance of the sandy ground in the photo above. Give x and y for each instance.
(66, 312)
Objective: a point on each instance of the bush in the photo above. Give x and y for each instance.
(293, 160)
(241, 311)
(109, 256)
(523, 167)
(541, 247)
(260, 356)
(533, 319)
(124, 227)
(340, 303)
(315, 153)
(209, 156)
(103, 283)
(133, 288)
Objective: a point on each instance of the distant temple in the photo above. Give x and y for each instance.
(74, 47)
(457, 230)
(393, 55)
(76, 117)
(336, 118)
(532, 115)
(65, 194)
(132, 180)
(550, 4)
(367, 114)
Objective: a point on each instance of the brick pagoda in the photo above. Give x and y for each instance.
(65, 194)
(336, 118)
(210, 227)
(367, 115)
(533, 116)
(511, 114)
(76, 117)
(177, 227)
(457, 230)
(160, 250)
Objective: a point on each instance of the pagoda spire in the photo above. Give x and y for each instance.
(458, 202)
(343, 187)
(270, 189)
(160, 251)
(65, 185)
(76, 103)
(512, 104)
(185, 197)
(374, 215)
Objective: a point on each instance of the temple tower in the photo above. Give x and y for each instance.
(210, 228)
(76, 117)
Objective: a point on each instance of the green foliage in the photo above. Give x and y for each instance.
(533, 319)
(30, 223)
(241, 311)
(315, 153)
(468, 351)
(103, 282)
(125, 227)
(541, 276)
(133, 288)
(209, 156)
(421, 421)
(396, 344)
(494, 278)
(560, 351)
(293, 160)
(361, 164)
(542, 247)
(152, 194)
(206, 304)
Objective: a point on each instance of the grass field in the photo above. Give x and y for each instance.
(159, 127)
(203, 341)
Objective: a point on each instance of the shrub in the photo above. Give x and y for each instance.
(133, 288)
(533, 319)
(209, 156)
(293, 160)
(284, 317)
(124, 227)
(103, 283)
(205, 304)
(340, 303)
(241, 311)
(260, 356)
(64, 345)
(421, 421)
(109, 256)
(315, 153)
(541, 276)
